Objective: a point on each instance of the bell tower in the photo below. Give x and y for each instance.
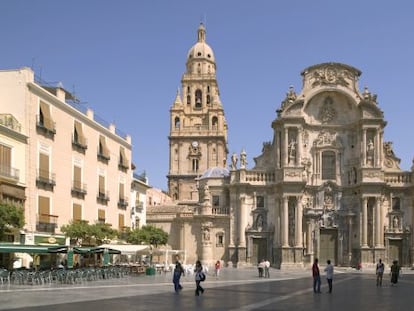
(198, 128)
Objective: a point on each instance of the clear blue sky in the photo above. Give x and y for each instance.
(125, 59)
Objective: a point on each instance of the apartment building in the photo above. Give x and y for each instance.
(139, 189)
(72, 165)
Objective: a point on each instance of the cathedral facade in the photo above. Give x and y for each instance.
(327, 186)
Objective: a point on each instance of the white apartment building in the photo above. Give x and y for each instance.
(74, 166)
(139, 189)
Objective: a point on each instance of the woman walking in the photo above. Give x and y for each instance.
(199, 277)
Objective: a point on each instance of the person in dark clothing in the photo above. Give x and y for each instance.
(178, 271)
(316, 277)
(199, 277)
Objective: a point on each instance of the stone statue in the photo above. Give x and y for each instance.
(234, 161)
(292, 151)
(243, 161)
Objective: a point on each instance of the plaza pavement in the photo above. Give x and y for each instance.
(235, 289)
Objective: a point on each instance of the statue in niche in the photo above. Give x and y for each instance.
(292, 151)
(370, 152)
(395, 223)
(206, 234)
(259, 223)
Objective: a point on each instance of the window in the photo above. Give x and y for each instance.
(5, 161)
(123, 160)
(259, 201)
(198, 98)
(77, 177)
(195, 165)
(121, 221)
(79, 139)
(44, 118)
(177, 122)
(103, 151)
(220, 239)
(216, 200)
(77, 212)
(214, 122)
(44, 209)
(101, 216)
(328, 165)
(188, 99)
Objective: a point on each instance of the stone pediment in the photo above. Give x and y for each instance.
(331, 74)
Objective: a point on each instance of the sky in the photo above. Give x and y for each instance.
(124, 59)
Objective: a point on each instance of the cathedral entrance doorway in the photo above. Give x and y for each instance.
(395, 250)
(328, 246)
(259, 250)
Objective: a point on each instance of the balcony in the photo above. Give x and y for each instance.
(78, 189)
(9, 172)
(122, 203)
(103, 157)
(45, 180)
(79, 144)
(45, 126)
(103, 197)
(46, 223)
(122, 166)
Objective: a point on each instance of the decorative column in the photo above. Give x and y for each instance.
(364, 147)
(364, 222)
(377, 149)
(310, 237)
(298, 147)
(350, 238)
(285, 222)
(285, 153)
(378, 223)
(298, 224)
(242, 223)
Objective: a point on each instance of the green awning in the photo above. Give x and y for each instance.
(23, 248)
(64, 249)
(101, 250)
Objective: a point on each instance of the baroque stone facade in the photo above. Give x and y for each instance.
(327, 186)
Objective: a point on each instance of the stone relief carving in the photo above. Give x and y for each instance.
(330, 76)
(391, 161)
(290, 97)
(327, 112)
(326, 138)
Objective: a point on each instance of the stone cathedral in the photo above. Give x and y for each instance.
(327, 186)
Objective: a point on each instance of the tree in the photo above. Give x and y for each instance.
(77, 230)
(102, 232)
(148, 235)
(11, 218)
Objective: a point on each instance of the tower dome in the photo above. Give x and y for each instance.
(201, 51)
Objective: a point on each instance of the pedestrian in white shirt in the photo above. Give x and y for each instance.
(329, 274)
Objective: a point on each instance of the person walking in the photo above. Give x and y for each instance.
(261, 267)
(178, 271)
(217, 267)
(199, 277)
(329, 274)
(395, 272)
(380, 272)
(316, 277)
(266, 268)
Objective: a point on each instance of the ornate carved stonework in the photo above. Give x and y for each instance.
(326, 138)
(330, 75)
(327, 113)
(391, 161)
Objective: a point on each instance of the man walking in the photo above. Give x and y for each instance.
(316, 277)
(329, 274)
